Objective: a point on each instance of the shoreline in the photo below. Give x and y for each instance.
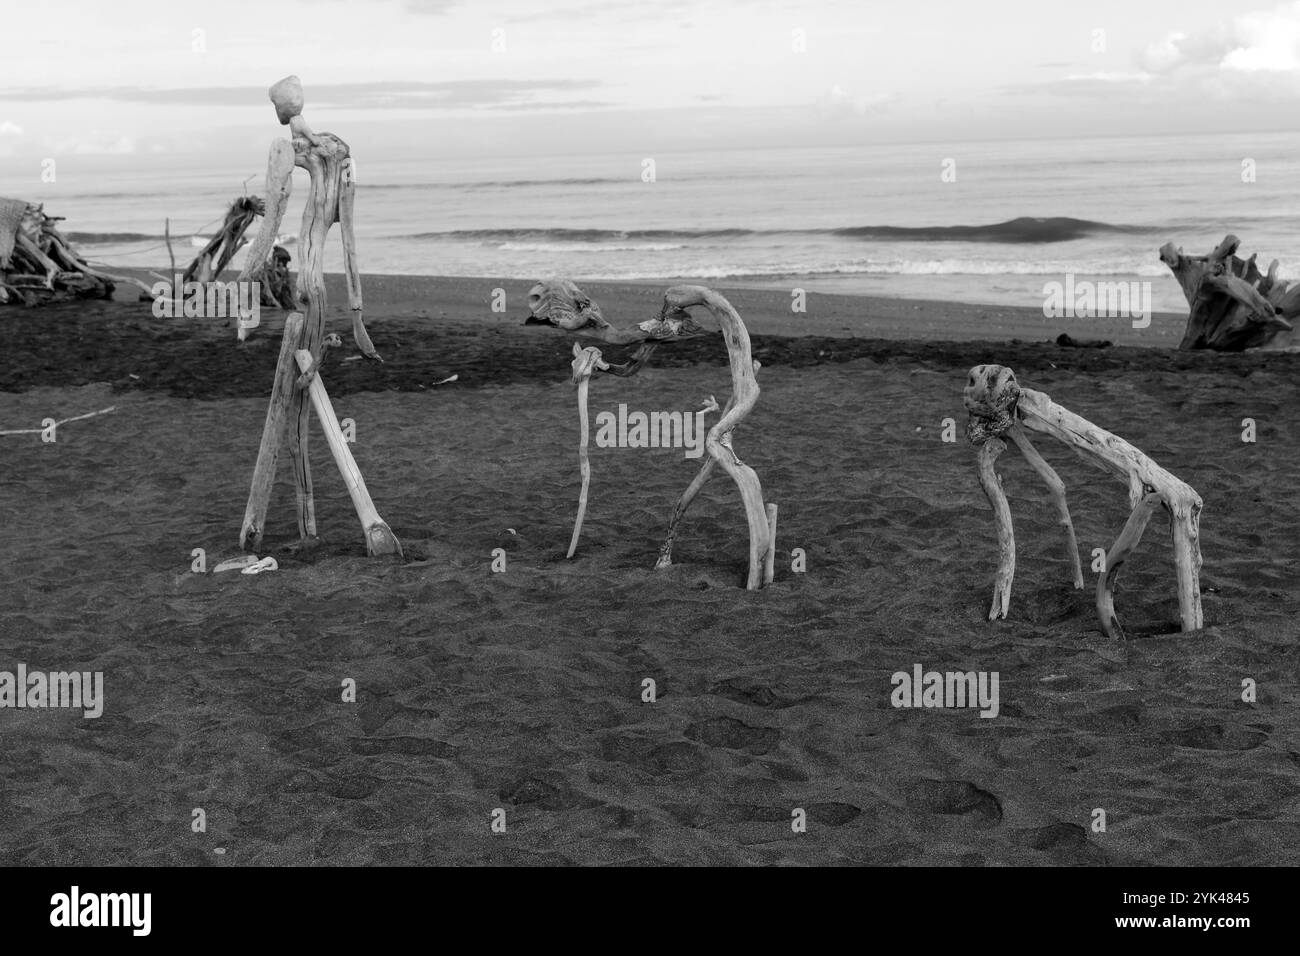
(765, 309)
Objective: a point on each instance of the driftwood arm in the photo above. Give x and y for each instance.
(279, 184)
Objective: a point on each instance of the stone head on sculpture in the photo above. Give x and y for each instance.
(1000, 408)
(287, 97)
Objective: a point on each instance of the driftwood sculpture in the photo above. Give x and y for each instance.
(999, 408)
(37, 264)
(297, 384)
(560, 303)
(1233, 306)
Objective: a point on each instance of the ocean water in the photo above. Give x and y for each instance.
(872, 220)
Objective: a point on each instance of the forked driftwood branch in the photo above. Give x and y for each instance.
(999, 408)
(674, 322)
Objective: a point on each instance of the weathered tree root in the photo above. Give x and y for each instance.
(1232, 305)
(999, 407)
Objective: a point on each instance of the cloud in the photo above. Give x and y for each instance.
(839, 103)
(431, 7)
(448, 94)
(96, 144)
(1253, 42)
(8, 128)
(1252, 57)
(624, 9)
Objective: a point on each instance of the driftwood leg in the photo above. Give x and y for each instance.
(1056, 487)
(585, 361)
(273, 435)
(679, 512)
(769, 565)
(992, 485)
(379, 537)
(300, 413)
(1186, 521)
(1128, 540)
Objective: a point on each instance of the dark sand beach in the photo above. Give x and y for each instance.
(522, 690)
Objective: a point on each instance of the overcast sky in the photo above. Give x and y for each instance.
(422, 77)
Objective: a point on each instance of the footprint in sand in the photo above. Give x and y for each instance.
(355, 787)
(956, 798)
(676, 756)
(744, 691)
(734, 735)
(530, 791)
(1216, 737)
(409, 746)
(1119, 719)
(826, 814)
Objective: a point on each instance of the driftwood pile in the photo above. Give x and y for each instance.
(37, 264)
(272, 274)
(1233, 305)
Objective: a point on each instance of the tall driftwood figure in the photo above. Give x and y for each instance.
(999, 408)
(1232, 305)
(297, 386)
(562, 304)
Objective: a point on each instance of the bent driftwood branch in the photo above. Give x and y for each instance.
(999, 407)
